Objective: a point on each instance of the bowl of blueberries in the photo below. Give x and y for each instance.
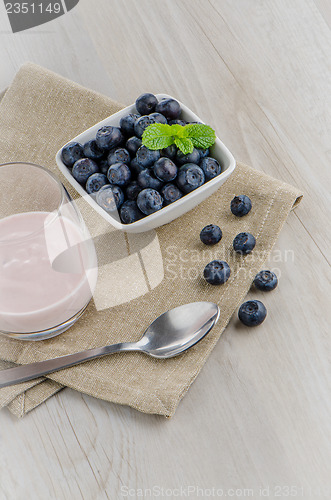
(136, 188)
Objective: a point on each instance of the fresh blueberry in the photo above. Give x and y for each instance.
(165, 170)
(149, 201)
(177, 122)
(169, 152)
(170, 193)
(127, 123)
(146, 179)
(147, 157)
(109, 137)
(95, 182)
(141, 124)
(92, 150)
(71, 153)
(129, 212)
(244, 243)
(103, 166)
(119, 174)
(157, 118)
(193, 157)
(169, 108)
(211, 167)
(252, 313)
(83, 168)
(135, 167)
(119, 155)
(265, 281)
(133, 190)
(211, 234)
(217, 272)
(146, 103)
(190, 176)
(132, 145)
(203, 153)
(110, 198)
(241, 205)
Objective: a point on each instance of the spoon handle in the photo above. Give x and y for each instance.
(30, 371)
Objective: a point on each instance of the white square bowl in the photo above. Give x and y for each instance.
(170, 212)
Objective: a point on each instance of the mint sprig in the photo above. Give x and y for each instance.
(186, 137)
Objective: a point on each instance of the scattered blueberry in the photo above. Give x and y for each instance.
(136, 167)
(92, 150)
(193, 157)
(127, 123)
(71, 153)
(132, 145)
(149, 201)
(109, 137)
(95, 182)
(157, 118)
(119, 155)
(110, 198)
(203, 153)
(244, 243)
(133, 190)
(252, 313)
(83, 168)
(141, 124)
(147, 157)
(241, 205)
(190, 177)
(169, 152)
(146, 179)
(119, 174)
(177, 122)
(211, 167)
(211, 234)
(146, 103)
(265, 281)
(170, 193)
(169, 108)
(129, 212)
(165, 169)
(217, 272)
(103, 166)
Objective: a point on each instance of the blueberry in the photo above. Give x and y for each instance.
(83, 168)
(127, 123)
(110, 197)
(252, 313)
(119, 174)
(203, 153)
(135, 167)
(165, 169)
(211, 167)
(103, 166)
(147, 157)
(157, 118)
(217, 272)
(265, 281)
(190, 177)
(146, 179)
(95, 182)
(193, 157)
(133, 144)
(177, 122)
(71, 153)
(241, 205)
(129, 212)
(141, 124)
(109, 137)
(169, 152)
(170, 193)
(133, 190)
(169, 108)
(92, 150)
(244, 243)
(149, 201)
(119, 155)
(211, 234)
(146, 103)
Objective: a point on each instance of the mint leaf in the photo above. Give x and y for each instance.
(184, 144)
(158, 136)
(202, 136)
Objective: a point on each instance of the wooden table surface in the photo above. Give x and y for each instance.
(256, 423)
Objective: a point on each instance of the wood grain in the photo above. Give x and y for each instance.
(259, 413)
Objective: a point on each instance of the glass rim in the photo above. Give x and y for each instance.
(55, 212)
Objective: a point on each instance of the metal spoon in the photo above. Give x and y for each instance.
(169, 335)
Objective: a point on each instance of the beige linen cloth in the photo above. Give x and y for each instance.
(140, 276)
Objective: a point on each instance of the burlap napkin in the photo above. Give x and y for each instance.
(140, 276)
